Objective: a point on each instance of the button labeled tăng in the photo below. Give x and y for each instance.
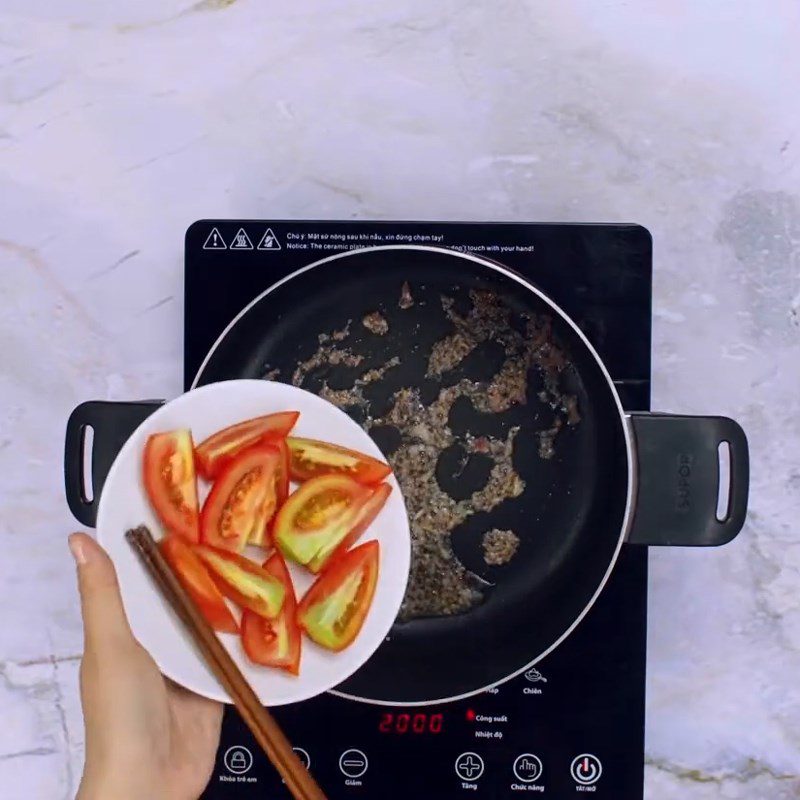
(469, 766)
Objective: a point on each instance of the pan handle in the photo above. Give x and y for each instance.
(112, 423)
(679, 480)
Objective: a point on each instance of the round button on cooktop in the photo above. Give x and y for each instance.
(586, 769)
(353, 763)
(469, 766)
(303, 756)
(528, 768)
(238, 760)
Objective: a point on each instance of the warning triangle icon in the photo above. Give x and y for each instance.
(215, 241)
(241, 241)
(269, 241)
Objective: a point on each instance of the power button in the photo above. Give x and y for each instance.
(586, 769)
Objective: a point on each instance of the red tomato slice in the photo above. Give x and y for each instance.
(170, 481)
(243, 581)
(324, 517)
(260, 537)
(193, 575)
(242, 500)
(311, 458)
(214, 453)
(335, 607)
(274, 642)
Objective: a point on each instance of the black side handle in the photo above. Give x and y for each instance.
(679, 477)
(112, 424)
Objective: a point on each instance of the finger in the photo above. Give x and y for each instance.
(104, 621)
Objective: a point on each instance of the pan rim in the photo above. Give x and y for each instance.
(623, 418)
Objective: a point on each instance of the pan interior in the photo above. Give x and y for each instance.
(568, 512)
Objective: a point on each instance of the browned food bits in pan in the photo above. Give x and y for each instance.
(439, 584)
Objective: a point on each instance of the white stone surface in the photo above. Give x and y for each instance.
(122, 122)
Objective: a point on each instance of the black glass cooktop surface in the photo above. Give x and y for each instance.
(575, 722)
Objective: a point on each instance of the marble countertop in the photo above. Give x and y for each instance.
(121, 123)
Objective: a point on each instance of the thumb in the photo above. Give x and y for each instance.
(105, 624)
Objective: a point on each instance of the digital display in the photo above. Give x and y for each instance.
(411, 723)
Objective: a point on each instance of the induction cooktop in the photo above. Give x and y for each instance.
(574, 722)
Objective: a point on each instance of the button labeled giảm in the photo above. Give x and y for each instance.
(586, 769)
(353, 763)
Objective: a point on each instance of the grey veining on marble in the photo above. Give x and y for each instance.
(122, 122)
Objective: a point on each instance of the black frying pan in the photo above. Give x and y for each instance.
(646, 479)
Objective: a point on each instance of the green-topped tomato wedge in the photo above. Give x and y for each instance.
(362, 518)
(243, 499)
(243, 581)
(214, 453)
(335, 607)
(274, 642)
(312, 458)
(324, 517)
(191, 572)
(171, 483)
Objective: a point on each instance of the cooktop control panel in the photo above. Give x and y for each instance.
(572, 725)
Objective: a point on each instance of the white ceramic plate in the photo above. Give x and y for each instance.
(124, 505)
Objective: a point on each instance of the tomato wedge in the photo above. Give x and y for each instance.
(260, 536)
(363, 518)
(311, 458)
(335, 607)
(193, 575)
(274, 642)
(243, 581)
(214, 453)
(242, 500)
(324, 517)
(171, 483)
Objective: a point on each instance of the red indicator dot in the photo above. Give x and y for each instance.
(470, 714)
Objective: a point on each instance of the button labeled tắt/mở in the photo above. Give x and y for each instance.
(586, 769)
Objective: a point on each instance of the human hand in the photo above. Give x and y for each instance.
(146, 737)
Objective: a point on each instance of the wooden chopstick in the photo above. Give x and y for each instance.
(263, 726)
